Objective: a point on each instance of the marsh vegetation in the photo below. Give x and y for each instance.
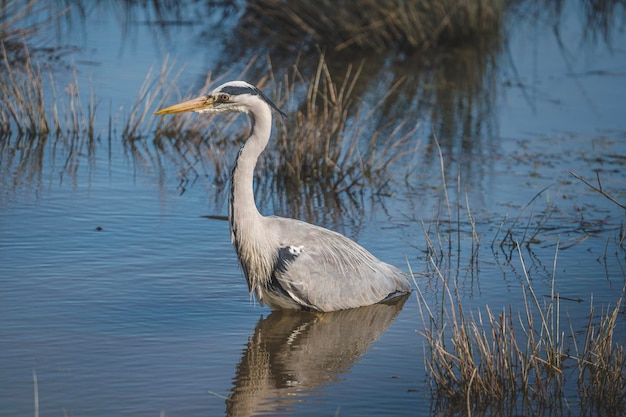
(393, 107)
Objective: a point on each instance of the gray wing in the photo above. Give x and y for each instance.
(324, 270)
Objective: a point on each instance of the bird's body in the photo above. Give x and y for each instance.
(290, 264)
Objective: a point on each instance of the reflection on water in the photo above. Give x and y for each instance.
(292, 353)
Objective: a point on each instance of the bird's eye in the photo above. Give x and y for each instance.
(223, 97)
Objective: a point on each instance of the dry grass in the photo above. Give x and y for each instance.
(327, 140)
(508, 360)
(598, 188)
(33, 106)
(512, 361)
(375, 24)
(31, 101)
(39, 119)
(489, 362)
(22, 99)
(30, 22)
(15, 29)
(477, 360)
(602, 364)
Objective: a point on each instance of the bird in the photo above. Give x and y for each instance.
(289, 263)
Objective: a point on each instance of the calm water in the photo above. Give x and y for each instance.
(126, 301)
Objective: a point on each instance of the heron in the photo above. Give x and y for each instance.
(288, 263)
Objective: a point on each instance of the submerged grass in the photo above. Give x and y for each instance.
(512, 361)
(487, 362)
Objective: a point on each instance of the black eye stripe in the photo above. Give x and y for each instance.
(234, 90)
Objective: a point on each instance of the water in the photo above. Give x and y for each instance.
(124, 300)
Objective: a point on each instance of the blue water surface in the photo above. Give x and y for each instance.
(123, 299)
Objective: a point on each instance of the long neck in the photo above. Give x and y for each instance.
(242, 207)
(246, 223)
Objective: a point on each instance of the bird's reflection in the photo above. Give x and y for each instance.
(292, 353)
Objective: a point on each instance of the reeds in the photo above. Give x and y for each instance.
(511, 360)
(31, 101)
(14, 29)
(330, 138)
(375, 24)
(492, 362)
(602, 364)
(31, 106)
(22, 99)
(331, 146)
(39, 118)
(327, 145)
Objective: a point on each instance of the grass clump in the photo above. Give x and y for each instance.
(330, 137)
(31, 101)
(15, 29)
(513, 361)
(602, 365)
(477, 361)
(489, 362)
(375, 24)
(22, 99)
(29, 105)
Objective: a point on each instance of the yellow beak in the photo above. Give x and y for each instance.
(194, 104)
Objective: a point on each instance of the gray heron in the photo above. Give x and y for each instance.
(288, 263)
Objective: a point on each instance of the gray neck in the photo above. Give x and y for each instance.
(246, 223)
(242, 207)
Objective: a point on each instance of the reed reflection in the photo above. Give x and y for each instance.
(292, 354)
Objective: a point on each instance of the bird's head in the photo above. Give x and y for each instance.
(231, 97)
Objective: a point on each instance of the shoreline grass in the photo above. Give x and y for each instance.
(513, 360)
(484, 361)
(31, 106)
